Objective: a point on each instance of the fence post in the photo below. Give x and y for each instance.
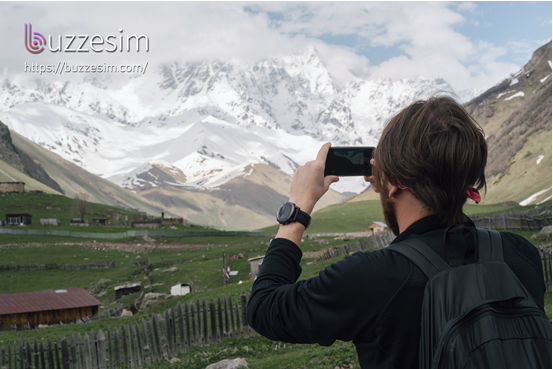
(101, 350)
(151, 340)
(138, 345)
(110, 352)
(205, 322)
(147, 360)
(80, 349)
(227, 327)
(194, 340)
(124, 346)
(188, 341)
(116, 348)
(200, 333)
(238, 333)
(42, 358)
(65, 353)
(10, 356)
(74, 359)
(163, 342)
(231, 313)
(220, 321)
(131, 344)
(49, 355)
(168, 337)
(180, 322)
(3, 356)
(173, 331)
(88, 358)
(29, 355)
(244, 321)
(93, 350)
(213, 321)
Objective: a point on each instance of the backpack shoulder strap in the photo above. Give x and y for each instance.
(490, 246)
(421, 255)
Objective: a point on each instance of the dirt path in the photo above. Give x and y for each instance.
(128, 247)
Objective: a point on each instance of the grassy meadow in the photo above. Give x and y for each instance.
(198, 262)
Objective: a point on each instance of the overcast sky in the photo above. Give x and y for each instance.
(469, 44)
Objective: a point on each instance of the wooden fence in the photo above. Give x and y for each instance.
(535, 218)
(370, 243)
(25, 267)
(545, 253)
(157, 338)
(505, 221)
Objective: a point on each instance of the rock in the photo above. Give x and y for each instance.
(229, 364)
(151, 298)
(544, 233)
(170, 270)
(103, 281)
(126, 313)
(174, 360)
(103, 293)
(43, 326)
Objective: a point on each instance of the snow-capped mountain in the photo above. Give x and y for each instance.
(207, 120)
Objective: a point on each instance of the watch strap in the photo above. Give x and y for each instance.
(303, 218)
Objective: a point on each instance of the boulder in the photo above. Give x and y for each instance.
(229, 364)
(544, 233)
(151, 298)
(170, 270)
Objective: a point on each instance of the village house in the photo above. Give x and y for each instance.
(255, 265)
(18, 218)
(11, 187)
(45, 307)
(378, 228)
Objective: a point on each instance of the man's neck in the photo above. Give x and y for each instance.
(409, 210)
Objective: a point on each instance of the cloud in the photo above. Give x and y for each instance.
(426, 33)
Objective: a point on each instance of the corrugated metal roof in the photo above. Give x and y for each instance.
(28, 302)
(380, 224)
(129, 285)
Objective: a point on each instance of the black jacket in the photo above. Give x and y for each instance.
(371, 298)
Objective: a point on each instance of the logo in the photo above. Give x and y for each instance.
(34, 42)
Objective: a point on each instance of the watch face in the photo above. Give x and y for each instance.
(285, 212)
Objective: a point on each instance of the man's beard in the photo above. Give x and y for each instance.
(389, 210)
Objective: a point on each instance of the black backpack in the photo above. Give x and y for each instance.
(477, 315)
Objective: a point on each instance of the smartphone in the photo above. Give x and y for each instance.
(345, 161)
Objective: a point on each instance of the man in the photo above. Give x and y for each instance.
(430, 158)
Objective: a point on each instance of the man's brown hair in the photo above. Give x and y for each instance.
(436, 149)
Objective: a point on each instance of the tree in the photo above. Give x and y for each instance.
(80, 204)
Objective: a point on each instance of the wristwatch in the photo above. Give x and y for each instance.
(290, 213)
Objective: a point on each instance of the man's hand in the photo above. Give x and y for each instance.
(309, 183)
(308, 186)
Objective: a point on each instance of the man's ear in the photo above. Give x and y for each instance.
(392, 189)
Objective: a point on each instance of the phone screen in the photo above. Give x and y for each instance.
(349, 161)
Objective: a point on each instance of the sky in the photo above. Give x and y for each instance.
(469, 44)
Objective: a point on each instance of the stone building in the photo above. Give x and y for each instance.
(10, 187)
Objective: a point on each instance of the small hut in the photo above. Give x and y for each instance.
(255, 265)
(18, 218)
(377, 228)
(99, 221)
(127, 289)
(180, 289)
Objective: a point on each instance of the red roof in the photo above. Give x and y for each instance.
(28, 302)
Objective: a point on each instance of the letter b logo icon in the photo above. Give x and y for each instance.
(34, 42)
